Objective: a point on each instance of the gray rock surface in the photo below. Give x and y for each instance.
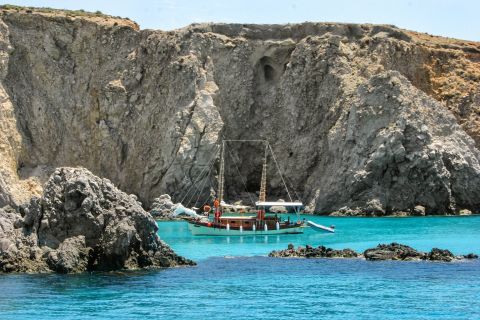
(364, 119)
(162, 207)
(81, 223)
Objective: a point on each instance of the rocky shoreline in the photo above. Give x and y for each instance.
(81, 223)
(392, 251)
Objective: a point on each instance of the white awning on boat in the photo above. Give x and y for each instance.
(277, 203)
(234, 206)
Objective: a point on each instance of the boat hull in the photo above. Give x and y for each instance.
(201, 230)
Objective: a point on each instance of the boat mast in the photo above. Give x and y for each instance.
(221, 177)
(263, 183)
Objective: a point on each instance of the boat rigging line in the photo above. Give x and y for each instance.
(197, 189)
(241, 178)
(279, 172)
(209, 165)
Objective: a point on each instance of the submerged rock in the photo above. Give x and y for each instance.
(81, 223)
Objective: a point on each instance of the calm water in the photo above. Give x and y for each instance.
(234, 279)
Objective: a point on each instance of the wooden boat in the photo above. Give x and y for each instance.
(249, 224)
(258, 222)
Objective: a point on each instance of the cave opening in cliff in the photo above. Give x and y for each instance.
(268, 72)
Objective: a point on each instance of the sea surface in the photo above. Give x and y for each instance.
(235, 279)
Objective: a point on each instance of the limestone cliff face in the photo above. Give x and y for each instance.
(359, 116)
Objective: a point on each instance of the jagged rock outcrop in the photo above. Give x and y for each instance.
(364, 119)
(81, 223)
(162, 207)
(392, 251)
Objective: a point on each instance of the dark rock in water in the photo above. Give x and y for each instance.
(393, 251)
(440, 255)
(311, 252)
(344, 253)
(82, 223)
(470, 256)
(70, 257)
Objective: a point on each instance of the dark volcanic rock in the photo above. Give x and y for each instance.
(311, 252)
(396, 251)
(470, 256)
(344, 253)
(440, 255)
(81, 223)
(393, 251)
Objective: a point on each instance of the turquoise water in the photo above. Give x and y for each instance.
(458, 234)
(234, 279)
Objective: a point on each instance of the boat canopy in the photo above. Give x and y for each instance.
(234, 206)
(277, 203)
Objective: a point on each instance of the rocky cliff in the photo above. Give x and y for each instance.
(363, 118)
(81, 223)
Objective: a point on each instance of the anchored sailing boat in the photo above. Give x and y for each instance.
(258, 222)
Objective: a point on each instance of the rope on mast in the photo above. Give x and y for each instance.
(221, 175)
(279, 172)
(263, 182)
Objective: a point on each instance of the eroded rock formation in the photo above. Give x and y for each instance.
(364, 119)
(81, 223)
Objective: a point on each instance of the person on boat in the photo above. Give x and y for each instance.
(261, 215)
(206, 210)
(216, 205)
